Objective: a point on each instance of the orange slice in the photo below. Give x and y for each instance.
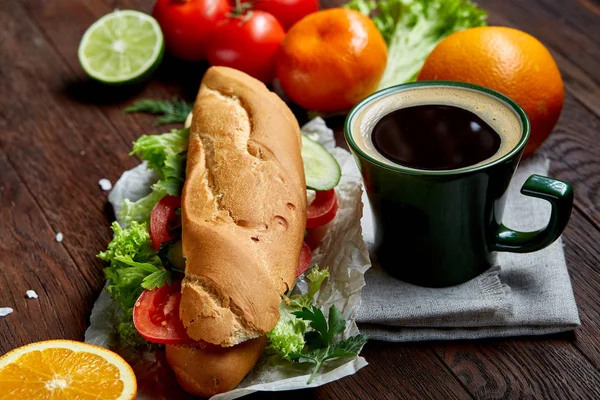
(65, 369)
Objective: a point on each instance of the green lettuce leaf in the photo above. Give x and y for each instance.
(140, 210)
(166, 155)
(133, 266)
(287, 337)
(412, 29)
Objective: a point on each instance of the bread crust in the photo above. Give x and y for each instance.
(243, 209)
(205, 369)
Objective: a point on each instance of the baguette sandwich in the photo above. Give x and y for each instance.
(202, 264)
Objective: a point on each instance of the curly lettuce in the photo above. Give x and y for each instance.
(166, 154)
(287, 337)
(133, 267)
(412, 29)
(133, 264)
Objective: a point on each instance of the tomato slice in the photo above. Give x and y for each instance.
(156, 315)
(162, 216)
(322, 210)
(304, 259)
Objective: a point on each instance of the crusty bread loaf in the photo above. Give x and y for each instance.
(243, 209)
(206, 369)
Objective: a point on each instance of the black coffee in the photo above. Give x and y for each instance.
(435, 137)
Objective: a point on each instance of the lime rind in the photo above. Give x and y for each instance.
(122, 46)
(321, 169)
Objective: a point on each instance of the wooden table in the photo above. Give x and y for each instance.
(61, 133)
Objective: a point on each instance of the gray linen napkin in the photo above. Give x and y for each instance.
(526, 294)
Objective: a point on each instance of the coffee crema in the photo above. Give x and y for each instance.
(436, 128)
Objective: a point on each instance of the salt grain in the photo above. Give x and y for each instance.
(31, 294)
(59, 237)
(82, 153)
(105, 184)
(4, 311)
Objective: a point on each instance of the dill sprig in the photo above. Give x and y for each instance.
(174, 111)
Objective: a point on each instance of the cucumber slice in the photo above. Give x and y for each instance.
(321, 169)
(171, 255)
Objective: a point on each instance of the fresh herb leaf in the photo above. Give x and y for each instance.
(317, 321)
(315, 278)
(157, 279)
(337, 323)
(143, 266)
(174, 111)
(320, 345)
(350, 346)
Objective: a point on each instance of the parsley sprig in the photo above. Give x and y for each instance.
(174, 111)
(320, 341)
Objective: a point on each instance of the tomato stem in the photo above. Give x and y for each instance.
(242, 11)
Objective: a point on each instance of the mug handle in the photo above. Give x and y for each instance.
(560, 195)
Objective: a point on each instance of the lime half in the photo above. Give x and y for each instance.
(121, 47)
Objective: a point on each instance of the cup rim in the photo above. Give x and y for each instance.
(525, 127)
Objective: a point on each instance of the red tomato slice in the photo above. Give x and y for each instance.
(322, 210)
(156, 315)
(304, 259)
(163, 214)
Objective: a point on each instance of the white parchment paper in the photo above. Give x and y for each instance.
(343, 251)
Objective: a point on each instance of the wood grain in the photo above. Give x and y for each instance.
(28, 251)
(44, 136)
(395, 371)
(173, 78)
(582, 254)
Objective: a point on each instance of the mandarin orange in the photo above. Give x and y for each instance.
(509, 61)
(331, 59)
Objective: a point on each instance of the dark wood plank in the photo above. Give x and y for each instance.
(522, 368)
(33, 259)
(173, 78)
(573, 149)
(396, 371)
(44, 133)
(582, 254)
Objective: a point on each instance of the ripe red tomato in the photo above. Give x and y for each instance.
(187, 25)
(156, 315)
(249, 43)
(162, 216)
(288, 12)
(322, 210)
(304, 259)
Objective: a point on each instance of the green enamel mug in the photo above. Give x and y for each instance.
(440, 228)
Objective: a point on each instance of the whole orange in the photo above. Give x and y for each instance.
(331, 59)
(509, 61)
